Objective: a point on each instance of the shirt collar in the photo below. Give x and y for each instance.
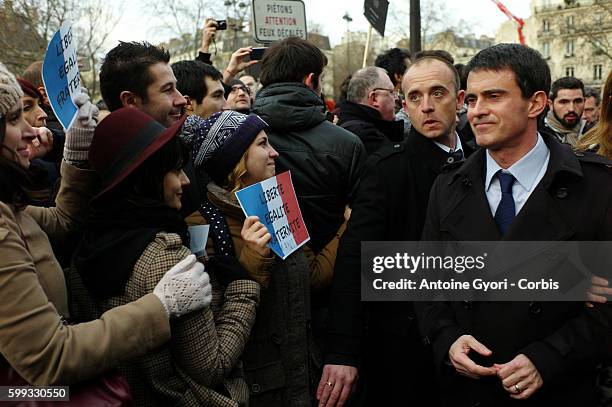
(525, 170)
(447, 149)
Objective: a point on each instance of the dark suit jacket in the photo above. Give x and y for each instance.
(390, 204)
(564, 340)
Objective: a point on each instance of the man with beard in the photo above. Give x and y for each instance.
(566, 104)
(390, 205)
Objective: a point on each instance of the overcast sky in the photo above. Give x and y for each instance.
(483, 14)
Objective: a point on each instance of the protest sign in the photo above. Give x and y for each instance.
(60, 73)
(375, 11)
(198, 235)
(275, 203)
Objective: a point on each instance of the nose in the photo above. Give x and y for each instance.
(179, 100)
(476, 109)
(184, 179)
(27, 131)
(273, 153)
(41, 115)
(427, 104)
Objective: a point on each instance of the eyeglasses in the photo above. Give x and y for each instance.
(244, 88)
(392, 92)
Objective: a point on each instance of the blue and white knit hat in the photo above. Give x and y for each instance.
(218, 143)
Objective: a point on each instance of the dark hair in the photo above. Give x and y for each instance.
(531, 71)
(462, 77)
(291, 60)
(126, 67)
(20, 186)
(144, 186)
(344, 88)
(394, 62)
(567, 82)
(592, 93)
(190, 77)
(442, 56)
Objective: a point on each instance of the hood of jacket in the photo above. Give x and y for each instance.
(289, 105)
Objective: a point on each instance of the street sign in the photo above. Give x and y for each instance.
(375, 11)
(275, 20)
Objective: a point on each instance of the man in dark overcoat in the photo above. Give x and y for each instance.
(390, 205)
(520, 186)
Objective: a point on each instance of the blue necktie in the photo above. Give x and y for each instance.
(504, 215)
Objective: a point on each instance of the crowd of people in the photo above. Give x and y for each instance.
(97, 277)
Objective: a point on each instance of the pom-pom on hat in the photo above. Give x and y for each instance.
(218, 143)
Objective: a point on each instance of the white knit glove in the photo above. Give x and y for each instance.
(88, 112)
(184, 288)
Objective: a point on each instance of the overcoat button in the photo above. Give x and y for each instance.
(450, 160)
(535, 308)
(579, 154)
(562, 193)
(467, 304)
(255, 388)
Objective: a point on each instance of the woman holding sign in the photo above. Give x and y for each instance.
(35, 345)
(134, 233)
(281, 360)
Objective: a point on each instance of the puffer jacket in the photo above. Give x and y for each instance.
(325, 160)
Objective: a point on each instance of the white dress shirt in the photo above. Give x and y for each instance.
(528, 172)
(447, 149)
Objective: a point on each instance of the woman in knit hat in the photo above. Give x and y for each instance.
(134, 233)
(281, 361)
(35, 346)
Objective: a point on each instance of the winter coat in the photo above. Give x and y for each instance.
(390, 205)
(33, 299)
(200, 365)
(563, 340)
(282, 364)
(365, 122)
(325, 160)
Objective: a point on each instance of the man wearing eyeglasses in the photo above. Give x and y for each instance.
(238, 96)
(369, 109)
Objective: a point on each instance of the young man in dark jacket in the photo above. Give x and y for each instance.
(325, 160)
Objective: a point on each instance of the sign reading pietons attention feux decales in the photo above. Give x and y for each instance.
(276, 20)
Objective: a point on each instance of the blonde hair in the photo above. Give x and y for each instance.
(236, 179)
(601, 134)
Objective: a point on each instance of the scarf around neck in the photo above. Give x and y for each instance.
(114, 238)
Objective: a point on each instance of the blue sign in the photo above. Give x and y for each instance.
(61, 77)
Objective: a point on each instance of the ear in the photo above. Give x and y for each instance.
(550, 104)
(309, 81)
(460, 99)
(538, 103)
(372, 99)
(398, 81)
(129, 99)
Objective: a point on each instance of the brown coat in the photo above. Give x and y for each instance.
(33, 299)
(198, 366)
(321, 265)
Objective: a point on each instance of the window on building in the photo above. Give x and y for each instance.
(597, 71)
(569, 71)
(545, 25)
(546, 49)
(569, 21)
(569, 48)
